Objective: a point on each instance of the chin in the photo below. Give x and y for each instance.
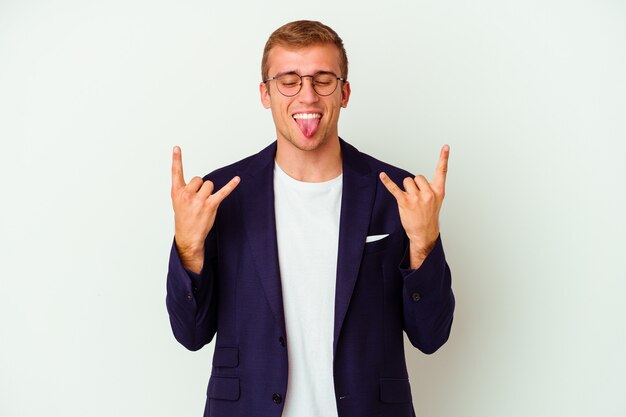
(307, 144)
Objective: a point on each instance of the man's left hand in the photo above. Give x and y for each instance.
(419, 207)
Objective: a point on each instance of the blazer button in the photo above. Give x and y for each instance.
(416, 296)
(281, 340)
(277, 398)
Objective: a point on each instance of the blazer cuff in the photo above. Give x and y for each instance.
(183, 281)
(430, 275)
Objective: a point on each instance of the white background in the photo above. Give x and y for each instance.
(531, 96)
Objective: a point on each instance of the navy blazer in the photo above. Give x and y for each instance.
(238, 296)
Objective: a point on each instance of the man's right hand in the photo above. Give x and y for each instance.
(195, 209)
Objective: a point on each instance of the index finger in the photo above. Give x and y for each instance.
(178, 181)
(439, 181)
(223, 192)
(391, 186)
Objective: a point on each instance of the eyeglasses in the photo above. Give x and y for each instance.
(290, 84)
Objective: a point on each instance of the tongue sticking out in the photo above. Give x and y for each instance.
(308, 126)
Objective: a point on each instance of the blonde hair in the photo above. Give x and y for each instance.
(300, 34)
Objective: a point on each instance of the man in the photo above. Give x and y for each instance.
(316, 261)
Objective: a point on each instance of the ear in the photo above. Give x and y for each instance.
(265, 95)
(345, 94)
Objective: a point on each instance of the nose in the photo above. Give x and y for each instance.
(307, 93)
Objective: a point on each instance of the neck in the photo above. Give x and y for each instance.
(318, 165)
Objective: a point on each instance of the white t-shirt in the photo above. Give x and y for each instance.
(307, 230)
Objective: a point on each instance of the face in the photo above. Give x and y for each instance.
(296, 117)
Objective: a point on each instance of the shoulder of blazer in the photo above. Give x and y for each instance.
(244, 167)
(353, 159)
(367, 164)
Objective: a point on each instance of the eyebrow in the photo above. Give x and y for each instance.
(297, 73)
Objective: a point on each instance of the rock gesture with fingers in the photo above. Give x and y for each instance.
(195, 207)
(419, 205)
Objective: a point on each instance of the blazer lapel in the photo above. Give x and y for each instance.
(260, 225)
(359, 187)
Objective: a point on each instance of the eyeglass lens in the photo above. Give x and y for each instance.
(324, 84)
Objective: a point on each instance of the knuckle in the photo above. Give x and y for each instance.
(188, 192)
(186, 196)
(212, 204)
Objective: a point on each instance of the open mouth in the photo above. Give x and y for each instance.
(307, 122)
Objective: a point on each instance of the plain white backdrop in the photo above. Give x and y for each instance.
(530, 95)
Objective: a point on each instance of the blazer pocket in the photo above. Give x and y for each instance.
(223, 388)
(384, 243)
(393, 390)
(226, 357)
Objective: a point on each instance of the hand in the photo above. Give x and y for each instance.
(419, 207)
(195, 209)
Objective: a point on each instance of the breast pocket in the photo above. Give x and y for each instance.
(379, 245)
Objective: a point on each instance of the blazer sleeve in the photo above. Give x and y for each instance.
(191, 298)
(427, 300)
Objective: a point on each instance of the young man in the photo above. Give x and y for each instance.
(315, 263)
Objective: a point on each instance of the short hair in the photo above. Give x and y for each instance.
(300, 34)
